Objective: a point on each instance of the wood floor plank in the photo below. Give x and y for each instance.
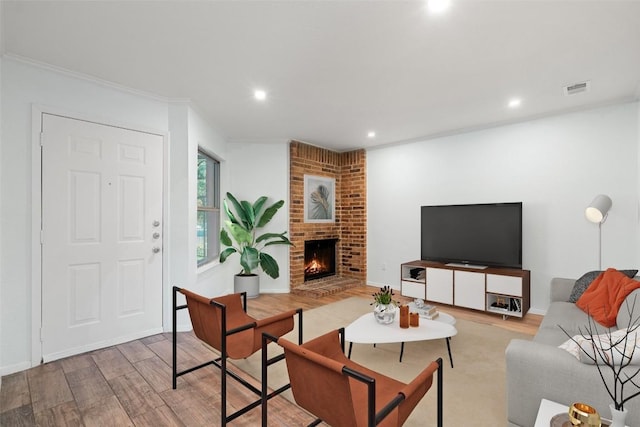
(48, 387)
(161, 416)
(157, 373)
(79, 361)
(206, 385)
(151, 339)
(112, 363)
(135, 351)
(89, 387)
(18, 417)
(14, 392)
(106, 412)
(66, 414)
(191, 407)
(164, 350)
(134, 393)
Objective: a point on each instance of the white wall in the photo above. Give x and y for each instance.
(189, 131)
(555, 166)
(1, 198)
(24, 85)
(262, 169)
(638, 160)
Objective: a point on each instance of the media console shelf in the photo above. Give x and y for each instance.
(504, 291)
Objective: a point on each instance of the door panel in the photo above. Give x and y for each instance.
(101, 200)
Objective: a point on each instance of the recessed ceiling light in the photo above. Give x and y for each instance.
(260, 95)
(371, 134)
(438, 6)
(515, 103)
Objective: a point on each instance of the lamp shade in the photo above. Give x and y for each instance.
(597, 210)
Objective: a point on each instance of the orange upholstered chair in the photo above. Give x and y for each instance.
(341, 392)
(223, 323)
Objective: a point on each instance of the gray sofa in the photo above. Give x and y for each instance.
(538, 369)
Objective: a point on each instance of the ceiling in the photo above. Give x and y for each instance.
(335, 70)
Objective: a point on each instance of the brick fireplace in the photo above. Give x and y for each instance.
(348, 231)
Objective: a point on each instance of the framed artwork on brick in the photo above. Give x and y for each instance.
(319, 199)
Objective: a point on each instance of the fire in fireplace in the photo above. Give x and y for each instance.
(319, 258)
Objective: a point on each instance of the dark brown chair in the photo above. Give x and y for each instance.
(343, 393)
(223, 323)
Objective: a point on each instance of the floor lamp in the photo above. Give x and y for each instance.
(597, 212)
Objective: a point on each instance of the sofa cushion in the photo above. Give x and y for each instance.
(630, 305)
(583, 282)
(605, 295)
(564, 314)
(607, 348)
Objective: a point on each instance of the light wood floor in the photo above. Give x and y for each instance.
(130, 384)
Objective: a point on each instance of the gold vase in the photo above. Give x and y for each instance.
(581, 414)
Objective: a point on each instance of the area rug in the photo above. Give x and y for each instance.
(474, 389)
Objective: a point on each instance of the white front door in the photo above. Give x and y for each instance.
(101, 235)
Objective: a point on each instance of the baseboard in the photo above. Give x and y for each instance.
(12, 369)
(101, 344)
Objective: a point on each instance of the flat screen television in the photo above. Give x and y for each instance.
(482, 235)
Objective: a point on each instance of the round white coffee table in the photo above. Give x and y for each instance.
(366, 330)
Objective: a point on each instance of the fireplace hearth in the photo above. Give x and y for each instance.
(319, 258)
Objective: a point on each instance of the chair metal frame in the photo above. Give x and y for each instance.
(373, 418)
(221, 361)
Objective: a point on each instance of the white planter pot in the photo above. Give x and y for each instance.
(249, 284)
(618, 418)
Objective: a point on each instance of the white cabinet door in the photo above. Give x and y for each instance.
(413, 289)
(440, 285)
(469, 289)
(505, 285)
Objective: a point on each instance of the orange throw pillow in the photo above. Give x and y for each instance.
(605, 295)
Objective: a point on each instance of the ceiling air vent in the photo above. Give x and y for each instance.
(577, 88)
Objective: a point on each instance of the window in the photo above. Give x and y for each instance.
(208, 225)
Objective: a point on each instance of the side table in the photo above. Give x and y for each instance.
(548, 409)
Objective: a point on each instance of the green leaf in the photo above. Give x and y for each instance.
(248, 213)
(249, 259)
(257, 208)
(278, 236)
(239, 210)
(224, 238)
(269, 213)
(225, 254)
(240, 234)
(269, 265)
(230, 214)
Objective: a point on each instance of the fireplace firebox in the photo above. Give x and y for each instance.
(319, 258)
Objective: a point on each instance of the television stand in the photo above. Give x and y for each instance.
(462, 265)
(504, 291)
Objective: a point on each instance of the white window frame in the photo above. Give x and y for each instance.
(210, 233)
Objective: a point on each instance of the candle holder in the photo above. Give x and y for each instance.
(581, 414)
(414, 319)
(404, 316)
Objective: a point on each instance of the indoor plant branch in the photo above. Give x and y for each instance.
(603, 351)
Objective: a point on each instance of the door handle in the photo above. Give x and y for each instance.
(156, 235)
(155, 250)
(156, 223)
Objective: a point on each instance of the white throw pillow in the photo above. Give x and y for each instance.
(580, 346)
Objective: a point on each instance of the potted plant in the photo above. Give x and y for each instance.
(241, 236)
(384, 306)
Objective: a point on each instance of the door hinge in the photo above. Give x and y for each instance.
(42, 139)
(41, 335)
(42, 237)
